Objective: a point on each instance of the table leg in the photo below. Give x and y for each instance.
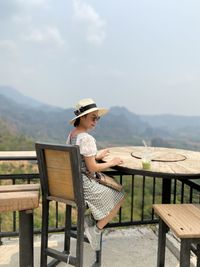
(161, 243)
(26, 238)
(198, 255)
(166, 190)
(185, 252)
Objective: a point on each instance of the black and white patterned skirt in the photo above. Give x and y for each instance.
(99, 198)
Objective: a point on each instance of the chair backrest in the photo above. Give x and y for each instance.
(60, 172)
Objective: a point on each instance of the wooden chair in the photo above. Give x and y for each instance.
(184, 221)
(61, 181)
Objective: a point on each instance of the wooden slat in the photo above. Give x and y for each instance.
(60, 183)
(63, 200)
(17, 201)
(183, 219)
(59, 174)
(21, 187)
(57, 159)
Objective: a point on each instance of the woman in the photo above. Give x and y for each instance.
(103, 201)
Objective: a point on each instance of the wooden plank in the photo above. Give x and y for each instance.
(19, 155)
(60, 183)
(183, 219)
(57, 159)
(21, 187)
(59, 174)
(17, 201)
(63, 200)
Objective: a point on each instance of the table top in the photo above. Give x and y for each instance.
(17, 155)
(164, 161)
(183, 219)
(19, 197)
(19, 187)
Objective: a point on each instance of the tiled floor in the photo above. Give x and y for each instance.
(130, 247)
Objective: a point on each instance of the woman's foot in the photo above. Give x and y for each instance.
(89, 221)
(94, 236)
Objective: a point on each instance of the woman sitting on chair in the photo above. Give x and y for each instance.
(103, 201)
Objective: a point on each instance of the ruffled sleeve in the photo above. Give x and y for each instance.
(87, 145)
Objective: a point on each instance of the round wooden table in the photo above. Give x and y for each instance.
(166, 163)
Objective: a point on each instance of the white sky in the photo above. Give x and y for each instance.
(143, 55)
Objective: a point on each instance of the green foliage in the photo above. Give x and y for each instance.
(12, 140)
(18, 167)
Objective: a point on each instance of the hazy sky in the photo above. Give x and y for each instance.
(140, 54)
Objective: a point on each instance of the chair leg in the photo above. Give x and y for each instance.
(161, 243)
(68, 215)
(44, 233)
(185, 252)
(80, 238)
(98, 254)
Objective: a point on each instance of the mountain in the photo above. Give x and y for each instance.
(121, 126)
(38, 123)
(171, 121)
(47, 123)
(19, 98)
(181, 126)
(9, 140)
(25, 117)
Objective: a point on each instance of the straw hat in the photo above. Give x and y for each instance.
(85, 106)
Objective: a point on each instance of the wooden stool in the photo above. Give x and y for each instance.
(184, 221)
(22, 198)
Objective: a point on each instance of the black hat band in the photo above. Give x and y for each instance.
(83, 109)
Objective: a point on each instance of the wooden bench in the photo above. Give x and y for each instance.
(184, 221)
(22, 198)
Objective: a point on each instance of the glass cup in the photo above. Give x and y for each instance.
(146, 161)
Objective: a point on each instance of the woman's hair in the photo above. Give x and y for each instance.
(77, 122)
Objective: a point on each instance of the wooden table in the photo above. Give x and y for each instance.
(17, 155)
(166, 163)
(184, 221)
(22, 198)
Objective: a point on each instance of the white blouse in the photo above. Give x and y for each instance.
(86, 143)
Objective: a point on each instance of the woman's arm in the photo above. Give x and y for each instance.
(102, 154)
(89, 150)
(94, 166)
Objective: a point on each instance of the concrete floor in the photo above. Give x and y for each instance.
(130, 247)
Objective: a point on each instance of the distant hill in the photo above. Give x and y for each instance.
(38, 123)
(19, 98)
(172, 122)
(10, 140)
(25, 117)
(47, 123)
(184, 129)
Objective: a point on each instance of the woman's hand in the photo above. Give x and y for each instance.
(94, 166)
(102, 154)
(116, 161)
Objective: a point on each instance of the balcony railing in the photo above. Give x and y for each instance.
(140, 193)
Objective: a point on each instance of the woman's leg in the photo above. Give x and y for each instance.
(94, 232)
(101, 223)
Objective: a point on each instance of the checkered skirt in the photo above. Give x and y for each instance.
(99, 198)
